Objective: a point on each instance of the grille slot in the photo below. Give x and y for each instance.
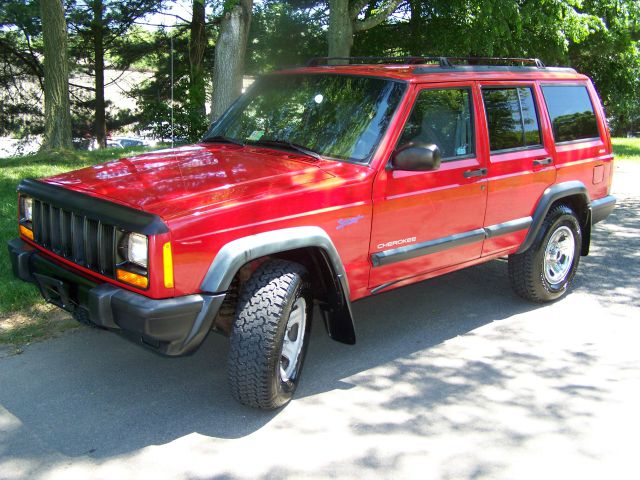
(56, 237)
(80, 239)
(77, 232)
(46, 226)
(106, 248)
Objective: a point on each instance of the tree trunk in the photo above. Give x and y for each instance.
(57, 119)
(197, 46)
(229, 61)
(415, 28)
(97, 27)
(340, 32)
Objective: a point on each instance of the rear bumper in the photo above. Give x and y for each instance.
(602, 208)
(173, 327)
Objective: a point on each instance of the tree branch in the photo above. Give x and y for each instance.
(31, 62)
(378, 18)
(83, 87)
(356, 8)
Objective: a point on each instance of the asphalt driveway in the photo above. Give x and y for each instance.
(452, 378)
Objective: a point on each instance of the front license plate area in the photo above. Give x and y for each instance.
(54, 291)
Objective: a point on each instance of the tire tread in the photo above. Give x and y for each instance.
(254, 337)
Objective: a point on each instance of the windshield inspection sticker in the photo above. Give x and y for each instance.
(345, 222)
(256, 135)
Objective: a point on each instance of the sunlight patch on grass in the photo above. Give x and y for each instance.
(626, 149)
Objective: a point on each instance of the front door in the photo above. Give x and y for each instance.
(425, 221)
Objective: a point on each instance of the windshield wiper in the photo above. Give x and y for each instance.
(223, 139)
(293, 146)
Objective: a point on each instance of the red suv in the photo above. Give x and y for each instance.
(320, 186)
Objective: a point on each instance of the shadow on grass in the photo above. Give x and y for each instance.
(627, 148)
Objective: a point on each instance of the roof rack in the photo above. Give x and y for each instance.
(499, 61)
(434, 65)
(442, 61)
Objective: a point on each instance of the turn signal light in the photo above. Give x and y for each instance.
(167, 258)
(132, 278)
(26, 232)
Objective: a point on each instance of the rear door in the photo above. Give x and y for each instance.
(582, 144)
(425, 221)
(521, 164)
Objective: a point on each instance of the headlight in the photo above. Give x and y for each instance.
(26, 209)
(137, 249)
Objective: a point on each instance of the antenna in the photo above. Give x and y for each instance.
(172, 87)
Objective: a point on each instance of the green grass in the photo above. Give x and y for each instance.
(40, 323)
(627, 149)
(16, 295)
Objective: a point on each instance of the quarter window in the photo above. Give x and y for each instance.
(442, 117)
(571, 112)
(511, 117)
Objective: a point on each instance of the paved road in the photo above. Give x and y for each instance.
(452, 378)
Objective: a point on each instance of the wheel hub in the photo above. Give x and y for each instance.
(293, 339)
(558, 255)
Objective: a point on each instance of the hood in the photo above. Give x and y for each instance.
(167, 182)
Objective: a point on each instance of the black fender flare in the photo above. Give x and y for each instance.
(235, 254)
(551, 195)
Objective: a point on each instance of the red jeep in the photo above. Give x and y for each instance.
(320, 186)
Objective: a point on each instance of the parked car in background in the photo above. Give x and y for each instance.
(123, 142)
(126, 142)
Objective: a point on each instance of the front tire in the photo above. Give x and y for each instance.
(544, 272)
(270, 335)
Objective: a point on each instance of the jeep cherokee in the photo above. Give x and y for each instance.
(320, 186)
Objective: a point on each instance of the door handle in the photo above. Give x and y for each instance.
(544, 161)
(480, 172)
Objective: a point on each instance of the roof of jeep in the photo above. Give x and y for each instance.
(435, 73)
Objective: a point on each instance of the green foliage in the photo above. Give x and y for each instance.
(598, 37)
(20, 53)
(154, 96)
(21, 72)
(532, 28)
(611, 57)
(282, 35)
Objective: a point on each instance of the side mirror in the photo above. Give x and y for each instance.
(417, 157)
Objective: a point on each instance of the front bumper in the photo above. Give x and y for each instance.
(173, 326)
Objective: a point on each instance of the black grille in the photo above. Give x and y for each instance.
(80, 239)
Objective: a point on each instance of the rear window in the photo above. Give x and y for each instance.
(512, 118)
(571, 112)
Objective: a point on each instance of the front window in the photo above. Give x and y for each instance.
(442, 117)
(337, 116)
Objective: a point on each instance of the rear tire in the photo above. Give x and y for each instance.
(544, 272)
(270, 335)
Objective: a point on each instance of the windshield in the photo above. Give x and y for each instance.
(336, 116)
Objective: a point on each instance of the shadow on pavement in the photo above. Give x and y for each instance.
(92, 393)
